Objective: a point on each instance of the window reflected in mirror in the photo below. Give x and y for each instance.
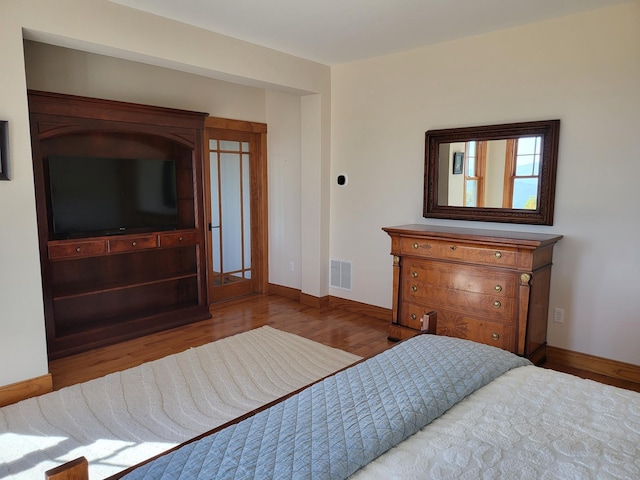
(495, 174)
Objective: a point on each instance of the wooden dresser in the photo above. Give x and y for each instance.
(489, 286)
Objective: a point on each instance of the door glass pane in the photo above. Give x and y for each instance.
(231, 211)
(215, 209)
(230, 145)
(246, 209)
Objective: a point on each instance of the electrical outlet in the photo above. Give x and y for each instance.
(558, 315)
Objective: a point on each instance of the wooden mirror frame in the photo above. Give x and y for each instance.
(542, 215)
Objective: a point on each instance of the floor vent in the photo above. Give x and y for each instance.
(341, 274)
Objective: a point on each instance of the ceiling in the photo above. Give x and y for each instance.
(340, 31)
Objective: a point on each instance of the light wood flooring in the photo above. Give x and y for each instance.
(352, 332)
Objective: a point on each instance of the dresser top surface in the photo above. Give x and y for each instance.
(473, 234)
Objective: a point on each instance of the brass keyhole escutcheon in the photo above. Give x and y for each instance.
(414, 288)
(495, 336)
(453, 247)
(497, 304)
(415, 245)
(413, 316)
(497, 255)
(498, 288)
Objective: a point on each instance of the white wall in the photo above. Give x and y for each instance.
(102, 27)
(285, 209)
(582, 69)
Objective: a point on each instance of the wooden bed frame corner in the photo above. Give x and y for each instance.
(77, 469)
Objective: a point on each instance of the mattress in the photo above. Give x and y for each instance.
(530, 423)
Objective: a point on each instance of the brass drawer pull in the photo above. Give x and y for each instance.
(498, 288)
(414, 288)
(180, 239)
(495, 336)
(497, 255)
(413, 316)
(453, 247)
(415, 245)
(78, 249)
(497, 304)
(414, 274)
(134, 243)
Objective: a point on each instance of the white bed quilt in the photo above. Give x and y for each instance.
(530, 423)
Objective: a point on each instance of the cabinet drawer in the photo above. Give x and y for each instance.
(129, 244)
(177, 239)
(461, 277)
(459, 251)
(499, 308)
(71, 249)
(479, 330)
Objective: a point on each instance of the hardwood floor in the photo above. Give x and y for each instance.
(352, 332)
(337, 328)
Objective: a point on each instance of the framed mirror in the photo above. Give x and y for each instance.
(494, 173)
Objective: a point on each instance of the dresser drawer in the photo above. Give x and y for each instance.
(176, 239)
(459, 251)
(129, 244)
(479, 330)
(489, 281)
(411, 315)
(435, 297)
(71, 249)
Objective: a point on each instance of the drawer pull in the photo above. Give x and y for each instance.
(497, 255)
(180, 239)
(495, 336)
(497, 304)
(414, 274)
(78, 249)
(498, 288)
(414, 288)
(453, 247)
(415, 245)
(413, 316)
(134, 243)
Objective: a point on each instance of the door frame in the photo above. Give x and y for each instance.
(259, 199)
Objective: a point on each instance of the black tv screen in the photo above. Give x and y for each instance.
(102, 196)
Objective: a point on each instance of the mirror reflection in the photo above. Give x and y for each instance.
(493, 173)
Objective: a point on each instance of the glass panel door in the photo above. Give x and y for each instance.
(230, 156)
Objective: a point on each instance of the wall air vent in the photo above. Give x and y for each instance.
(340, 274)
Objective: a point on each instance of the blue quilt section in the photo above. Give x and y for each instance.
(336, 426)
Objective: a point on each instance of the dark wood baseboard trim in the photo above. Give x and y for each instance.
(287, 292)
(22, 390)
(590, 363)
(361, 308)
(311, 301)
(331, 301)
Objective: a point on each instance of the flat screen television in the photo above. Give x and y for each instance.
(104, 196)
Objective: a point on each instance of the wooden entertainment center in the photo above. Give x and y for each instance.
(100, 290)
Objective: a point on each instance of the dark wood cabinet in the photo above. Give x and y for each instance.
(104, 289)
(485, 285)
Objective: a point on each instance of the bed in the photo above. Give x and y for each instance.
(430, 407)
